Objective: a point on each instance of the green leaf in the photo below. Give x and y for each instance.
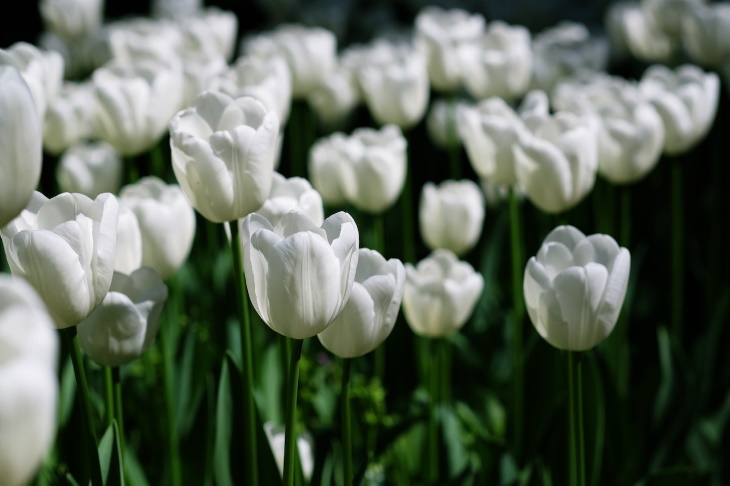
(223, 429)
(66, 393)
(110, 457)
(133, 469)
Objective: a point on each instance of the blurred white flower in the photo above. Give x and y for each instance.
(70, 118)
(442, 119)
(669, 15)
(142, 39)
(90, 169)
(631, 28)
(706, 34)
(72, 19)
(211, 32)
(176, 9)
(78, 54)
(129, 242)
(336, 98)
(292, 194)
(305, 445)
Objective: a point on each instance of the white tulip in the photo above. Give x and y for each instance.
(706, 34)
(223, 154)
(292, 194)
(575, 287)
(72, 19)
(129, 242)
(372, 309)
(211, 32)
(336, 98)
(440, 294)
(69, 118)
(65, 247)
(142, 39)
(176, 9)
(631, 27)
(90, 169)
(442, 122)
(125, 324)
(299, 275)
(669, 15)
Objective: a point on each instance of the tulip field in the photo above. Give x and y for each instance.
(364, 243)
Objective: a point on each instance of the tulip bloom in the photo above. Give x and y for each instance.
(28, 382)
(20, 139)
(636, 32)
(223, 154)
(370, 313)
(575, 287)
(69, 118)
(299, 276)
(290, 194)
(129, 242)
(90, 169)
(440, 294)
(705, 34)
(65, 247)
(72, 19)
(336, 98)
(125, 324)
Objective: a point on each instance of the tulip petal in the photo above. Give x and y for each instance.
(615, 291)
(556, 257)
(579, 291)
(256, 266)
(354, 331)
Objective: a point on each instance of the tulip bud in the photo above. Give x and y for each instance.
(299, 275)
(575, 287)
(292, 194)
(440, 294)
(223, 154)
(125, 323)
(65, 248)
(90, 169)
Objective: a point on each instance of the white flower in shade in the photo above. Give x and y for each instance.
(65, 248)
(367, 168)
(223, 153)
(632, 29)
(630, 131)
(556, 159)
(500, 64)
(78, 54)
(166, 221)
(442, 122)
(72, 19)
(706, 34)
(394, 82)
(70, 117)
(440, 35)
(129, 242)
(669, 15)
(266, 79)
(176, 9)
(336, 98)
(370, 313)
(440, 294)
(211, 32)
(200, 72)
(292, 194)
(135, 104)
(28, 382)
(90, 169)
(142, 39)
(686, 99)
(575, 287)
(563, 51)
(489, 130)
(451, 215)
(125, 324)
(21, 141)
(299, 275)
(310, 53)
(42, 70)
(277, 442)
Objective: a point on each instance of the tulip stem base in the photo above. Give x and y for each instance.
(517, 310)
(577, 435)
(346, 421)
(119, 411)
(69, 336)
(290, 435)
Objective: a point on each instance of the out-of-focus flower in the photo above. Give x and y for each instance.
(125, 324)
(369, 167)
(575, 287)
(686, 99)
(310, 53)
(20, 139)
(440, 294)
(706, 34)
(556, 159)
(72, 19)
(223, 153)
(42, 70)
(135, 104)
(631, 28)
(166, 221)
(394, 82)
(630, 131)
(65, 248)
(292, 194)
(299, 275)
(336, 98)
(277, 442)
(78, 54)
(495, 194)
(451, 215)
(563, 51)
(371, 311)
(142, 39)
(442, 119)
(441, 35)
(211, 32)
(500, 64)
(129, 242)
(90, 169)
(69, 118)
(28, 383)
(176, 9)
(669, 15)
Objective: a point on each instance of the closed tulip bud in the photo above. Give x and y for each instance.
(129, 242)
(630, 27)
(451, 215)
(65, 247)
(276, 438)
(135, 104)
(370, 167)
(90, 169)
(370, 313)
(299, 275)
(125, 324)
(28, 382)
(166, 221)
(686, 99)
(706, 34)
(440, 294)
(223, 153)
(20, 139)
(575, 287)
(72, 19)
(69, 118)
(293, 194)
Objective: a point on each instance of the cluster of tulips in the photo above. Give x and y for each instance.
(538, 119)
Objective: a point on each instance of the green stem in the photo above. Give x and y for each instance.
(132, 166)
(445, 371)
(575, 392)
(109, 394)
(346, 421)
(250, 433)
(625, 225)
(433, 431)
(517, 313)
(677, 246)
(452, 142)
(69, 335)
(290, 435)
(173, 452)
(409, 242)
(157, 161)
(119, 411)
